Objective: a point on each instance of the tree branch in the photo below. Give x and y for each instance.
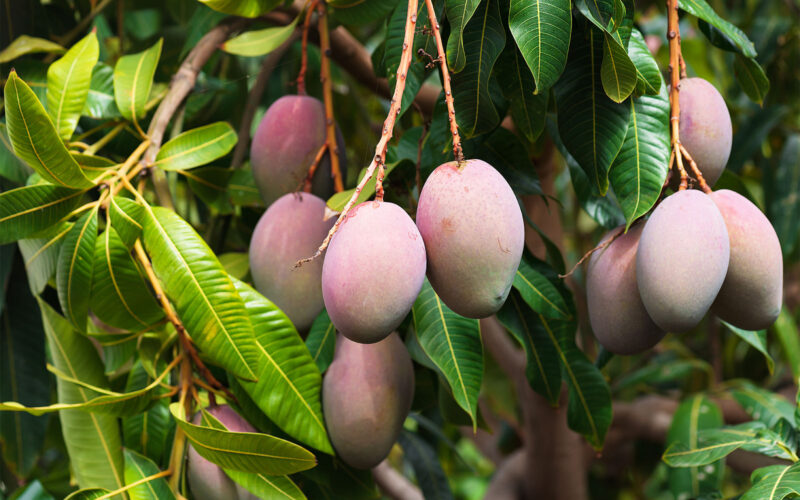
(393, 484)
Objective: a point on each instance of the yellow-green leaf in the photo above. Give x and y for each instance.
(133, 78)
(68, 82)
(197, 147)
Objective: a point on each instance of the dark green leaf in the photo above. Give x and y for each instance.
(321, 341)
(782, 186)
(617, 71)
(266, 486)
(713, 445)
(349, 12)
(528, 109)
(27, 210)
(147, 432)
(11, 166)
(756, 339)
(423, 459)
(702, 10)
(539, 293)
(100, 103)
(763, 405)
(138, 467)
(459, 12)
(126, 218)
(774, 482)
(542, 31)
(751, 135)
(75, 267)
(648, 76)
(41, 256)
(751, 78)
(505, 152)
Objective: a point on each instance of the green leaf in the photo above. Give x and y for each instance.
(244, 451)
(423, 459)
(484, 39)
(28, 210)
(204, 296)
(774, 482)
(138, 467)
(763, 405)
(528, 109)
(751, 134)
(24, 44)
(41, 256)
(454, 345)
(92, 439)
(88, 494)
(756, 339)
(244, 8)
(197, 147)
(68, 84)
(23, 376)
(321, 341)
(694, 414)
(148, 432)
(640, 168)
(93, 166)
(617, 71)
(289, 383)
(100, 103)
(605, 14)
(751, 78)
(509, 155)
(210, 184)
(786, 330)
(702, 10)
(236, 264)
(713, 445)
(542, 368)
(36, 140)
(542, 31)
(133, 78)
(11, 166)
(126, 218)
(459, 12)
(265, 486)
(75, 266)
(120, 296)
(538, 292)
(358, 13)
(592, 126)
(663, 370)
(259, 42)
(648, 76)
(782, 186)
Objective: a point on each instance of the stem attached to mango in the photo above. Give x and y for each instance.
(327, 92)
(301, 77)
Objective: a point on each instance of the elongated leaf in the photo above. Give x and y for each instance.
(702, 10)
(93, 166)
(459, 12)
(93, 440)
(640, 168)
(763, 405)
(541, 295)
(648, 76)
(321, 341)
(617, 71)
(589, 406)
(605, 14)
(259, 42)
(197, 147)
(11, 166)
(484, 39)
(244, 451)
(528, 109)
(100, 103)
(265, 486)
(783, 208)
(148, 432)
(126, 218)
(454, 345)
(423, 459)
(542, 30)
(68, 84)
(24, 44)
(509, 155)
(713, 445)
(751, 78)
(542, 369)
(36, 140)
(23, 377)
(592, 126)
(694, 414)
(210, 184)
(88, 494)
(28, 210)
(357, 13)
(133, 78)
(120, 296)
(244, 8)
(756, 339)
(138, 467)
(775, 482)
(41, 256)
(289, 383)
(75, 267)
(204, 296)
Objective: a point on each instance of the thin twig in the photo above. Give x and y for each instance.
(693, 165)
(388, 127)
(306, 184)
(601, 246)
(327, 92)
(301, 77)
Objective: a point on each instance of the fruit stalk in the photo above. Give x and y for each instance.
(386, 135)
(448, 93)
(327, 91)
(301, 77)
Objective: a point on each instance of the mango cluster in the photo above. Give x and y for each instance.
(696, 253)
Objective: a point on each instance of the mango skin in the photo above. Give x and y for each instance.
(616, 312)
(752, 293)
(285, 144)
(291, 229)
(682, 259)
(373, 271)
(706, 129)
(474, 235)
(366, 396)
(207, 481)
